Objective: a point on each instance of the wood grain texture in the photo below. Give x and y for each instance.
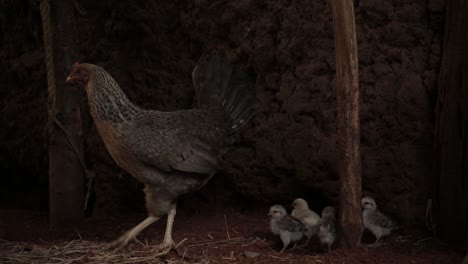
(347, 93)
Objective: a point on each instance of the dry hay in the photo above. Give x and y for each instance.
(82, 251)
(75, 251)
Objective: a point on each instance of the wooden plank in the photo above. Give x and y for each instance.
(66, 192)
(347, 93)
(450, 138)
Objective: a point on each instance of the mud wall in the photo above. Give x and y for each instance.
(290, 148)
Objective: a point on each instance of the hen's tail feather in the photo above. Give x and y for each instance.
(218, 83)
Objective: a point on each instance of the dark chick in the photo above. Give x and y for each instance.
(375, 221)
(288, 228)
(327, 230)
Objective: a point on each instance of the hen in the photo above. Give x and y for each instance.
(171, 153)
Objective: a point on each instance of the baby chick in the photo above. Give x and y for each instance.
(288, 228)
(374, 220)
(308, 217)
(327, 231)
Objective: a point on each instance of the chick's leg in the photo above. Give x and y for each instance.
(168, 243)
(294, 246)
(376, 243)
(286, 238)
(282, 250)
(131, 234)
(308, 234)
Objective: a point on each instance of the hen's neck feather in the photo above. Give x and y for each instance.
(107, 101)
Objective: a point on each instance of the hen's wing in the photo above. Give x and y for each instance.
(189, 141)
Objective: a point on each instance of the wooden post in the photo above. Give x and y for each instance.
(451, 132)
(66, 192)
(347, 93)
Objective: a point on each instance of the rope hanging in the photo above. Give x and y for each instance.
(51, 103)
(49, 56)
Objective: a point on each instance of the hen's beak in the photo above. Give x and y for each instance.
(69, 78)
(269, 214)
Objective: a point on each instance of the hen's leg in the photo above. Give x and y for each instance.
(132, 233)
(168, 243)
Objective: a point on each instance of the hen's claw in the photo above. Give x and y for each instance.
(164, 248)
(118, 244)
(131, 234)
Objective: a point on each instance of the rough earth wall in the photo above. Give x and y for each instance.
(290, 148)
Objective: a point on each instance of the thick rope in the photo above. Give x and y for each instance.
(49, 56)
(51, 103)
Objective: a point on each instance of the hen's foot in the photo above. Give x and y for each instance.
(164, 248)
(131, 234)
(119, 243)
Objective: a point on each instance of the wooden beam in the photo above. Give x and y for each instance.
(451, 132)
(66, 180)
(347, 93)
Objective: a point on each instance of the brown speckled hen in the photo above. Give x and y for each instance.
(171, 153)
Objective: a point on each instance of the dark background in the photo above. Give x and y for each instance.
(290, 148)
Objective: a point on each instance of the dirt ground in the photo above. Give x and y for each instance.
(204, 237)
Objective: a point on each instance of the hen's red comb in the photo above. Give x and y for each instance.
(75, 64)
